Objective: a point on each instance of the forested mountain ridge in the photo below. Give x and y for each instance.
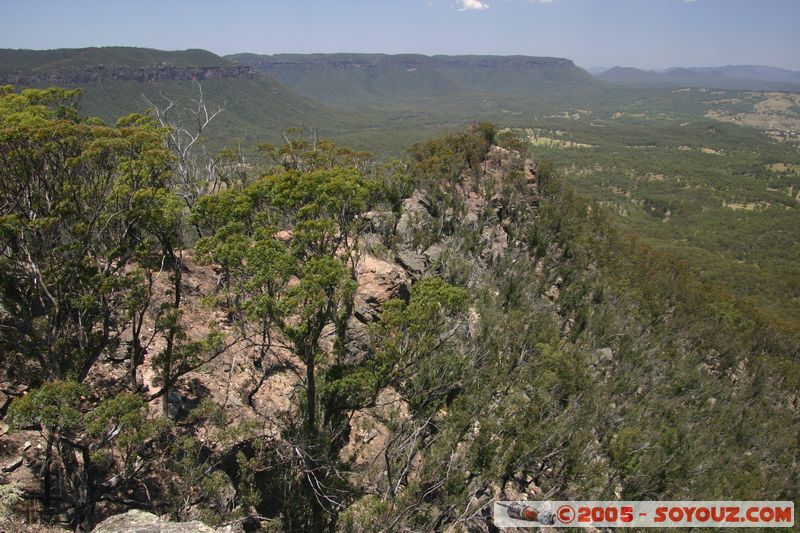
(75, 67)
(344, 78)
(329, 343)
(744, 77)
(33, 61)
(116, 81)
(100, 74)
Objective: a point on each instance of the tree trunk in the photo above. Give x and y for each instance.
(166, 377)
(311, 394)
(47, 489)
(136, 354)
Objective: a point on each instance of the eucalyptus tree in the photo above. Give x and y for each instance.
(288, 248)
(69, 228)
(98, 450)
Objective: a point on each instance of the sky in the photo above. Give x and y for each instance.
(593, 33)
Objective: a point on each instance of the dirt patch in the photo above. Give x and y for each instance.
(783, 168)
(746, 206)
(771, 111)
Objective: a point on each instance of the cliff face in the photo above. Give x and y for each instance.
(383, 80)
(357, 61)
(102, 73)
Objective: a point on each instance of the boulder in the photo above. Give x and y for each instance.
(604, 356)
(413, 263)
(415, 213)
(474, 205)
(13, 464)
(434, 253)
(356, 346)
(175, 404)
(496, 243)
(531, 174)
(379, 222)
(555, 290)
(4, 402)
(369, 435)
(378, 282)
(136, 521)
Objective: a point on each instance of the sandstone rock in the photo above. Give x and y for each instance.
(4, 401)
(369, 435)
(555, 290)
(530, 172)
(474, 205)
(284, 235)
(604, 355)
(473, 321)
(378, 282)
(356, 346)
(413, 263)
(13, 464)
(135, 521)
(378, 221)
(415, 214)
(434, 253)
(175, 404)
(496, 240)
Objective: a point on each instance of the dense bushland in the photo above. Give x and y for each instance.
(541, 352)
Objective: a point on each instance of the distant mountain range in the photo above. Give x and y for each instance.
(378, 79)
(734, 77)
(353, 97)
(116, 81)
(335, 94)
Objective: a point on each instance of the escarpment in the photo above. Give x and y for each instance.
(101, 73)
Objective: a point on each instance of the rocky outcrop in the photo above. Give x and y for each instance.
(369, 435)
(102, 73)
(357, 340)
(136, 521)
(415, 214)
(413, 263)
(495, 241)
(378, 282)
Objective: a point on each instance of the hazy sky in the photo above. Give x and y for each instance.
(639, 33)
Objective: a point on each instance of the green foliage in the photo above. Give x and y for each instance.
(98, 447)
(304, 154)
(653, 170)
(54, 406)
(194, 470)
(298, 280)
(10, 497)
(70, 58)
(71, 223)
(126, 416)
(365, 515)
(412, 345)
(635, 375)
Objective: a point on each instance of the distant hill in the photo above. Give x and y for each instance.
(741, 77)
(386, 79)
(116, 80)
(753, 72)
(371, 101)
(33, 61)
